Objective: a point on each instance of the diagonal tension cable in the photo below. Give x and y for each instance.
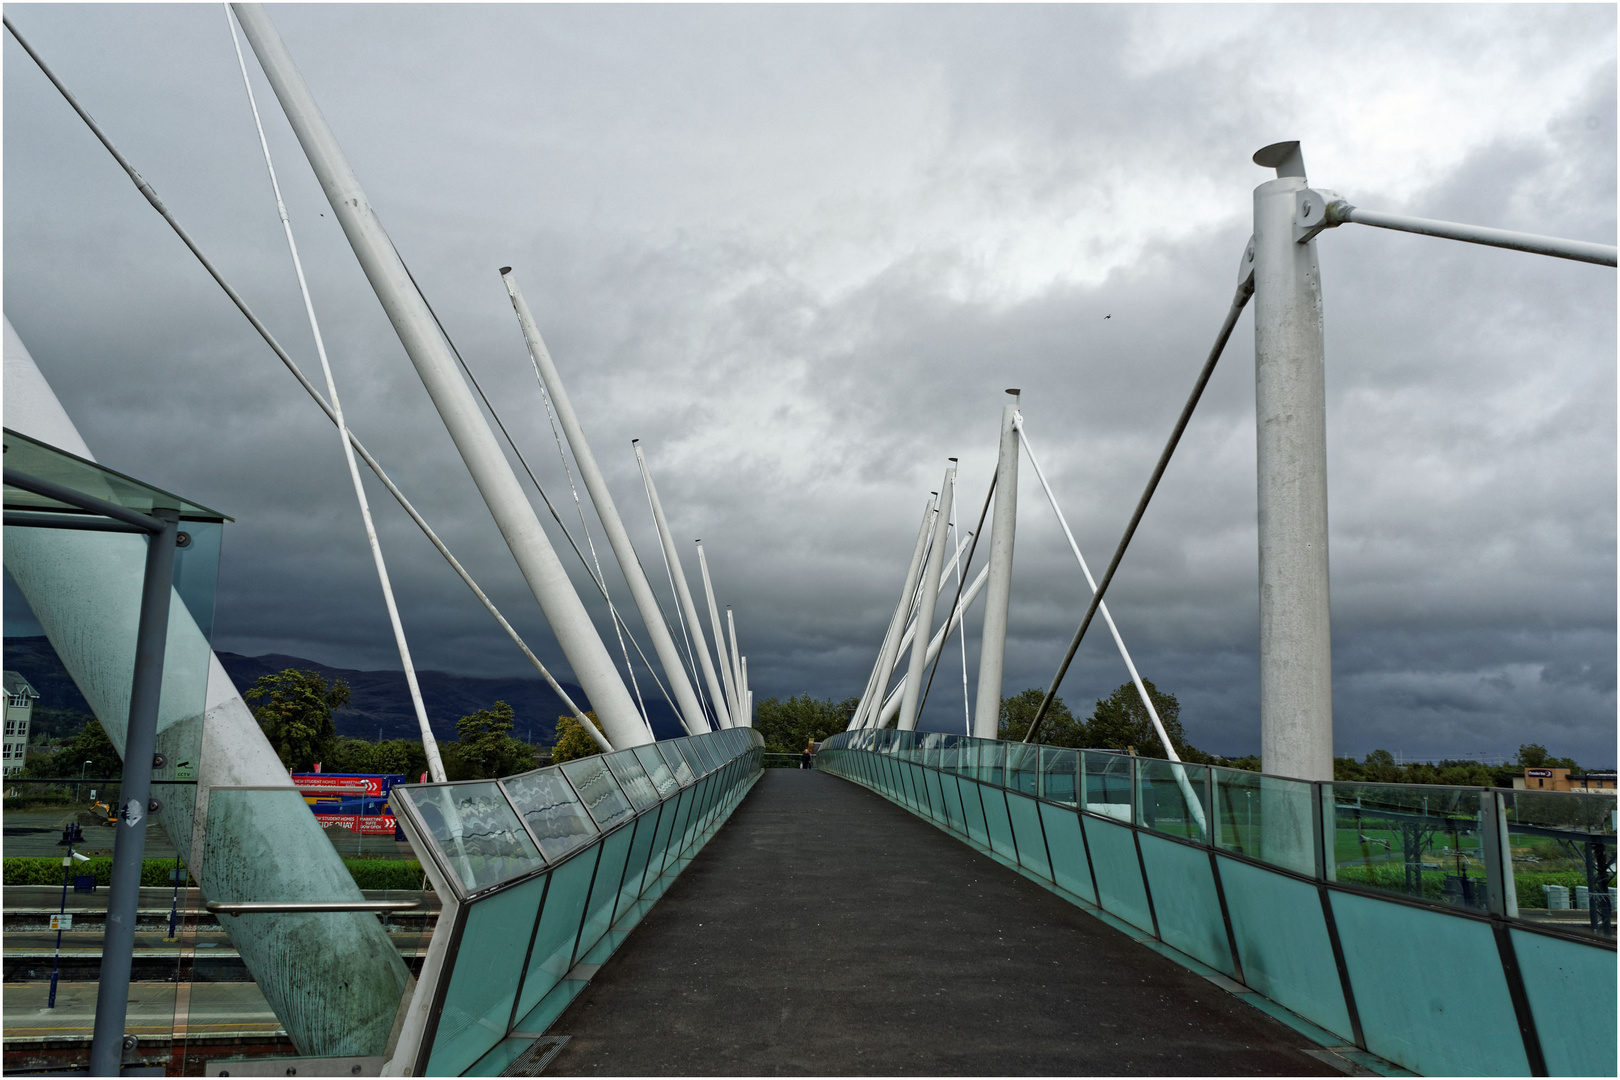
(961, 578)
(1240, 299)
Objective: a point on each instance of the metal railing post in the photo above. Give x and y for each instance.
(129, 843)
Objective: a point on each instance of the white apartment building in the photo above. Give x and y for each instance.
(20, 698)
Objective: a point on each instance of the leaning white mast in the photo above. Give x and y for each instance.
(434, 363)
(683, 592)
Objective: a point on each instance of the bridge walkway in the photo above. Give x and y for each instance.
(826, 931)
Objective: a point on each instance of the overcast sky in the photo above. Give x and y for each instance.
(799, 252)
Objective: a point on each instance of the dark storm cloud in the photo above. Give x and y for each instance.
(799, 252)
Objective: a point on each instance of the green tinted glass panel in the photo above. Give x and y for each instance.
(635, 869)
(677, 763)
(1060, 774)
(605, 890)
(1068, 851)
(992, 762)
(552, 811)
(476, 831)
(598, 790)
(997, 823)
(1563, 847)
(553, 951)
(1283, 944)
(1266, 818)
(657, 770)
(1171, 797)
(633, 778)
(1025, 815)
(1417, 840)
(1119, 875)
(488, 963)
(1105, 781)
(949, 785)
(1023, 767)
(1429, 988)
(936, 796)
(1184, 899)
(973, 810)
(1571, 987)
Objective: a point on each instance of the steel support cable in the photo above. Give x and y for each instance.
(1194, 807)
(1240, 299)
(288, 362)
(978, 530)
(601, 584)
(429, 743)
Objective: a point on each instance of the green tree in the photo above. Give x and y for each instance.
(1120, 721)
(789, 725)
(89, 745)
(572, 740)
(1059, 728)
(1535, 756)
(484, 748)
(297, 714)
(404, 756)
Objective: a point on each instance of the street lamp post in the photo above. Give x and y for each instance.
(81, 781)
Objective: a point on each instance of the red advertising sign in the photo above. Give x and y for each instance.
(364, 824)
(327, 784)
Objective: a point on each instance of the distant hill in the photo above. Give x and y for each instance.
(379, 699)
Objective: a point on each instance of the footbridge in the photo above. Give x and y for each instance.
(933, 904)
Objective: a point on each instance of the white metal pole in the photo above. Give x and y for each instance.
(891, 706)
(992, 654)
(736, 659)
(430, 745)
(733, 699)
(1296, 656)
(748, 695)
(682, 591)
(902, 612)
(669, 655)
(436, 366)
(930, 590)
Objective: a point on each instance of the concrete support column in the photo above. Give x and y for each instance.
(1296, 657)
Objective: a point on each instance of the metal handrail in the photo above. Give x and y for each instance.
(221, 907)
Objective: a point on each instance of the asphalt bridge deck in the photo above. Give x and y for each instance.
(826, 931)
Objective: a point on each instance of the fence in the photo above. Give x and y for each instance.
(1417, 922)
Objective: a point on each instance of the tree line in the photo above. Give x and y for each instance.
(294, 709)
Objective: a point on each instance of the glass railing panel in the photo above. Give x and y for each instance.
(1417, 840)
(1562, 848)
(598, 790)
(1060, 774)
(484, 980)
(552, 811)
(949, 752)
(633, 778)
(1172, 797)
(705, 751)
(1266, 818)
(658, 770)
(475, 831)
(688, 749)
(1023, 767)
(992, 761)
(1105, 783)
(678, 765)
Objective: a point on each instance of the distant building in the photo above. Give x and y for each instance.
(1563, 780)
(20, 698)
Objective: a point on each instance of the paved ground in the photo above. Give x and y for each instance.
(826, 931)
